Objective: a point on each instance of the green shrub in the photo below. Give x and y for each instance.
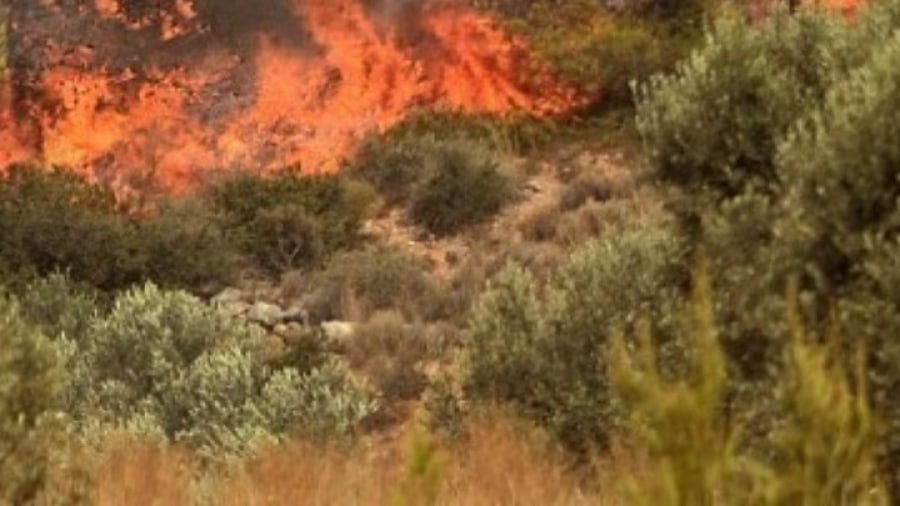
(165, 363)
(286, 238)
(328, 205)
(323, 402)
(30, 381)
(398, 161)
(184, 245)
(54, 221)
(826, 443)
(394, 164)
(547, 356)
(460, 190)
(838, 219)
(712, 128)
(357, 283)
(390, 352)
(60, 307)
(821, 167)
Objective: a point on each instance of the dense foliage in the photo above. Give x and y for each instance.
(772, 376)
(548, 355)
(778, 143)
(55, 221)
(166, 364)
(287, 221)
(446, 184)
(30, 382)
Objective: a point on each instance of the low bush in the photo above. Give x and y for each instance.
(390, 352)
(165, 363)
(461, 189)
(354, 284)
(60, 307)
(54, 221)
(582, 189)
(286, 238)
(394, 164)
(287, 220)
(546, 356)
(602, 48)
(184, 245)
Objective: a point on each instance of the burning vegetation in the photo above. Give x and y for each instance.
(134, 92)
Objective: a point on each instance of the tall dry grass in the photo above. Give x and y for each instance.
(497, 463)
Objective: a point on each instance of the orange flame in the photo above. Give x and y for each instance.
(309, 107)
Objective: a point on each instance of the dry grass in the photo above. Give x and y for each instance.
(497, 464)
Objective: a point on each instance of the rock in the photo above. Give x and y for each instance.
(228, 296)
(295, 314)
(290, 331)
(280, 330)
(532, 187)
(339, 331)
(236, 308)
(266, 314)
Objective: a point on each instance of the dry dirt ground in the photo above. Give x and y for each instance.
(540, 189)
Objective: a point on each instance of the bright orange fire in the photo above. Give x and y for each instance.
(309, 107)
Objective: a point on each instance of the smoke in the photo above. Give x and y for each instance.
(231, 21)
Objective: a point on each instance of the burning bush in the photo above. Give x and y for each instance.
(604, 46)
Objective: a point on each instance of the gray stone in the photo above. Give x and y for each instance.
(265, 314)
(228, 296)
(296, 314)
(290, 331)
(339, 331)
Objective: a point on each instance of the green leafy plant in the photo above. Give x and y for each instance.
(547, 356)
(459, 190)
(358, 283)
(30, 383)
(287, 220)
(826, 443)
(165, 363)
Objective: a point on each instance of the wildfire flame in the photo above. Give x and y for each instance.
(309, 106)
